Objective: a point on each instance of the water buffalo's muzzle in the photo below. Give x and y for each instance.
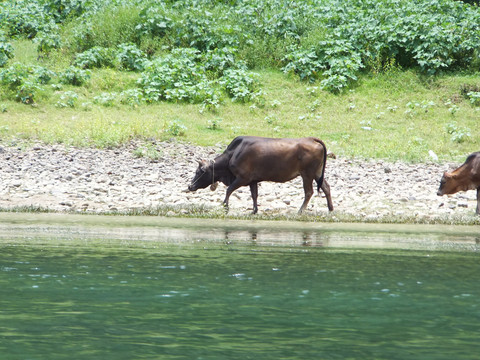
(440, 193)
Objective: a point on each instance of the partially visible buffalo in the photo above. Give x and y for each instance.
(249, 160)
(466, 177)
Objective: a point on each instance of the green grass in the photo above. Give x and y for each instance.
(398, 115)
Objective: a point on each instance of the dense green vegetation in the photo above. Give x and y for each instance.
(374, 78)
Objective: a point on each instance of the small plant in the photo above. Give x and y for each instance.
(3, 108)
(106, 99)
(147, 151)
(458, 134)
(453, 109)
(474, 97)
(132, 97)
(465, 89)
(176, 128)
(74, 76)
(271, 120)
(214, 124)
(275, 104)
(67, 99)
(314, 106)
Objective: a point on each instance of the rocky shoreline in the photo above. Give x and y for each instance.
(68, 179)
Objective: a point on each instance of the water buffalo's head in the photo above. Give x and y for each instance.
(447, 184)
(204, 176)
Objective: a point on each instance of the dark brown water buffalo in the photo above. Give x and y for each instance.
(466, 177)
(249, 160)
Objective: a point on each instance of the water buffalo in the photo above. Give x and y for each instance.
(466, 177)
(249, 160)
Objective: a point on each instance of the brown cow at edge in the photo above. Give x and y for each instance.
(466, 177)
(249, 160)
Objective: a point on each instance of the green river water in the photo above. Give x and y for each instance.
(168, 289)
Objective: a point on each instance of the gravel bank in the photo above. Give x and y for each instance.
(63, 178)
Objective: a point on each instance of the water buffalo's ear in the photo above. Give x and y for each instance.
(447, 175)
(204, 165)
(213, 187)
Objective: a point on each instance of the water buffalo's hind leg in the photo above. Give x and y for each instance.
(326, 189)
(478, 201)
(308, 188)
(254, 192)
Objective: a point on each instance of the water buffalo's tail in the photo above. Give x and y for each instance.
(320, 179)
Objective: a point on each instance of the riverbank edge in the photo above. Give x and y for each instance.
(201, 213)
(65, 220)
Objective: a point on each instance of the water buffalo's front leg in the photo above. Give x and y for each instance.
(231, 188)
(254, 192)
(308, 188)
(478, 201)
(326, 189)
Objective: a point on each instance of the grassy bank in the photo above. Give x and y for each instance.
(399, 115)
(373, 78)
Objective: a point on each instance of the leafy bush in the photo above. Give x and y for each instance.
(27, 92)
(338, 59)
(240, 84)
(15, 75)
(62, 10)
(202, 30)
(182, 76)
(23, 81)
(154, 22)
(74, 76)
(47, 42)
(6, 52)
(432, 36)
(95, 57)
(23, 18)
(326, 41)
(42, 75)
(304, 63)
(172, 77)
(220, 59)
(130, 57)
(132, 97)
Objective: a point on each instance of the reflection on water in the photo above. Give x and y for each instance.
(171, 293)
